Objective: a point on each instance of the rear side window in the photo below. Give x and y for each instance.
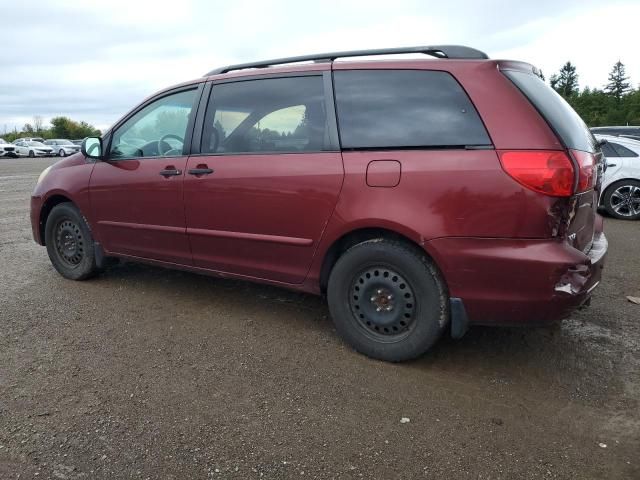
(405, 108)
(556, 111)
(608, 150)
(623, 151)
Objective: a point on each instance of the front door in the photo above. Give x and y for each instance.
(260, 193)
(137, 191)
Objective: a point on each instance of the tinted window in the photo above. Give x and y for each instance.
(608, 150)
(622, 151)
(405, 108)
(159, 129)
(556, 111)
(270, 115)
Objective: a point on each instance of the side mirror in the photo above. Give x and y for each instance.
(92, 147)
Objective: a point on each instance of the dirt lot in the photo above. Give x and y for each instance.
(147, 373)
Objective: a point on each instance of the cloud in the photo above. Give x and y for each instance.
(94, 61)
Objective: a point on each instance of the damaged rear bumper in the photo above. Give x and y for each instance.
(519, 281)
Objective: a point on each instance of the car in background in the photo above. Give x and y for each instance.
(621, 184)
(33, 149)
(628, 132)
(28, 139)
(62, 147)
(77, 142)
(7, 149)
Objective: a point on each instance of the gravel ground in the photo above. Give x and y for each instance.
(149, 373)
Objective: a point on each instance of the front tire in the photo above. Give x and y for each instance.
(622, 200)
(69, 243)
(387, 300)
(62, 153)
(31, 154)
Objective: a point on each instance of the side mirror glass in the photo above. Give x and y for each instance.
(92, 147)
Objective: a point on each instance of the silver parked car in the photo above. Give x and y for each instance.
(33, 149)
(63, 147)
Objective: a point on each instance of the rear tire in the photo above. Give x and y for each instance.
(387, 300)
(62, 153)
(31, 154)
(622, 200)
(69, 243)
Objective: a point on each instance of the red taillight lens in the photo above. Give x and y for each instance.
(548, 172)
(586, 170)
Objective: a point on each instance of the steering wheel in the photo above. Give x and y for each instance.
(162, 142)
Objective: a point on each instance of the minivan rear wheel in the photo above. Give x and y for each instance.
(69, 243)
(622, 200)
(387, 300)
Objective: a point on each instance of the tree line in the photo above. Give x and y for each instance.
(61, 127)
(617, 103)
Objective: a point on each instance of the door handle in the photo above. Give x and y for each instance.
(170, 172)
(200, 171)
(612, 164)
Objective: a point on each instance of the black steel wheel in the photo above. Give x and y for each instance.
(387, 300)
(384, 303)
(69, 243)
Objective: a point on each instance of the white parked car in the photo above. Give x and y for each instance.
(33, 149)
(621, 184)
(7, 149)
(63, 148)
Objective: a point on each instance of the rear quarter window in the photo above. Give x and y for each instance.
(563, 119)
(405, 108)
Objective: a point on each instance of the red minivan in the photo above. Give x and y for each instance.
(420, 195)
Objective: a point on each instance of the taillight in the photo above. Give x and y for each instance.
(586, 170)
(546, 171)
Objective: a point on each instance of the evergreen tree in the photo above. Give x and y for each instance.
(618, 82)
(566, 82)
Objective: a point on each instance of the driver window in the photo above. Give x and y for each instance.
(158, 130)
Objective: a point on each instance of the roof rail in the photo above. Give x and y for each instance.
(438, 51)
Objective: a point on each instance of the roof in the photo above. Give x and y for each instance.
(438, 51)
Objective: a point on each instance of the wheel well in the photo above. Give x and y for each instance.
(350, 239)
(46, 210)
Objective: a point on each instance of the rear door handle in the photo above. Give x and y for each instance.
(200, 171)
(612, 164)
(170, 172)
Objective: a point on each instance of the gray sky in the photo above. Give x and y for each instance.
(95, 60)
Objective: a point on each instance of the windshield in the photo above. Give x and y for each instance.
(36, 144)
(64, 142)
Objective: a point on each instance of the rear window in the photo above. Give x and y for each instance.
(563, 119)
(405, 108)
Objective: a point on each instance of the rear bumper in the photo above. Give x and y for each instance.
(519, 282)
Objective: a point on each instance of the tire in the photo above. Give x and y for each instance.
(387, 300)
(62, 153)
(622, 200)
(31, 154)
(69, 243)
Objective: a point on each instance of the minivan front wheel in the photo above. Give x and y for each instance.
(387, 300)
(69, 243)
